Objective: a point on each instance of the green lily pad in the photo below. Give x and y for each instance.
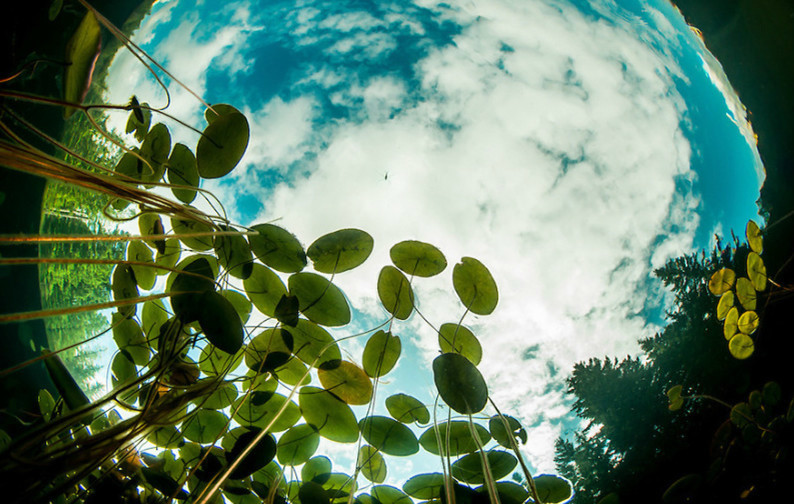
(385, 494)
(265, 289)
(552, 488)
(754, 237)
(219, 110)
(347, 381)
(319, 300)
(340, 251)
(220, 322)
(333, 418)
(155, 149)
(188, 288)
(459, 383)
(454, 338)
(169, 256)
(145, 276)
(741, 346)
(722, 281)
(395, 292)
(222, 145)
(82, 51)
(272, 348)
(756, 270)
(372, 464)
(731, 324)
(313, 344)
(417, 258)
(205, 426)
(675, 401)
(258, 409)
(297, 445)
(727, 301)
(389, 436)
(46, 404)
(748, 322)
(183, 171)
(509, 492)
(469, 467)
(475, 286)
(381, 353)
(242, 305)
(234, 254)
(222, 397)
(124, 287)
(151, 224)
(425, 486)
(317, 469)
(288, 310)
(164, 483)
(460, 438)
(278, 248)
(746, 293)
(166, 437)
(501, 435)
(129, 337)
(407, 409)
(187, 226)
(293, 373)
(262, 453)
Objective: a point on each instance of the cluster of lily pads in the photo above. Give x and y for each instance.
(227, 374)
(741, 320)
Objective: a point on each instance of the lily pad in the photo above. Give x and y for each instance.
(455, 338)
(260, 408)
(475, 286)
(182, 171)
(425, 486)
(748, 322)
(417, 258)
(137, 251)
(270, 349)
(754, 237)
(731, 324)
(552, 488)
(746, 293)
(756, 270)
(313, 344)
(340, 251)
(220, 322)
(407, 409)
(82, 51)
(741, 346)
(727, 301)
(234, 254)
(501, 435)
(395, 292)
(265, 289)
(721, 281)
(297, 445)
(319, 300)
(460, 438)
(205, 426)
(386, 494)
(389, 436)
(183, 227)
(124, 287)
(333, 418)
(469, 467)
(278, 248)
(222, 145)
(459, 383)
(258, 457)
(381, 353)
(372, 465)
(347, 381)
(154, 150)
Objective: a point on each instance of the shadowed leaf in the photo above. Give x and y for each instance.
(222, 145)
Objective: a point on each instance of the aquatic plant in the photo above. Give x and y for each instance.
(204, 403)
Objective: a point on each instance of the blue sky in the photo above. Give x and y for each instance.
(572, 150)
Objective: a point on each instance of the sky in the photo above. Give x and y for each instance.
(572, 147)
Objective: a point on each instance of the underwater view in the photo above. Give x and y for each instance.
(326, 252)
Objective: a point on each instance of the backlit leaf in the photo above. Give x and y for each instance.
(748, 322)
(297, 445)
(340, 251)
(256, 411)
(395, 292)
(741, 346)
(385, 494)
(317, 469)
(509, 492)
(222, 145)
(187, 226)
(381, 353)
(756, 270)
(389, 436)
(258, 457)
(731, 324)
(754, 238)
(220, 322)
(268, 350)
(501, 435)
(347, 381)
(458, 339)
(264, 289)
(726, 303)
(154, 150)
(459, 383)
(407, 409)
(129, 337)
(552, 488)
(82, 51)
(425, 486)
(469, 467)
(319, 300)
(182, 171)
(722, 281)
(278, 248)
(746, 293)
(242, 305)
(189, 287)
(124, 287)
(333, 418)
(234, 254)
(417, 258)
(372, 465)
(460, 439)
(475, 286)
(313, 344)
(205, 426)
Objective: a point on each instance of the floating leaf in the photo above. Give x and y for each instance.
(155, 149)
(731, 324)
(333, 418)
(458, 339)
(220, 323)
(144, 275)
(164, 483)
(339, 487)
(746, 293)
(270, 349)
(313, 344)
(741, 414)
(771, 393)
(297, 445)
(293, 372)
(756, 270)
(389, 436)
(469, 467)
(287, 310)
(234, 254)
(82, 51)
(221, 397)
(725, 304)
(407, 409)
(675, 401)
(259, 411)
(258, 457)
(317, 469)
(188, 289)
(129, 337)
(340, 251)
(188, 226)
(169, 257)
(509, 492)
(205, 426)
(242, 305)
(46, 404)
(347, 381)
(395, 292)
(278, 248)
(459, 383)
(122, 368)
(385, 494)
(372, 465)
(166, 437)
(124, 287)
(417, 258)
(475, 286)
(460, 438)
(748, 322)
(265, 289)
(182, 171)
(381, 353)
(319, 300)
(754, 238)
(497, 427)
(151, 224)
(552, 488)
(722, 281)
(425, 486)
(222, 145)
(741, 346)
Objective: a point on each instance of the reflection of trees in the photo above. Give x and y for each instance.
(633, 444)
